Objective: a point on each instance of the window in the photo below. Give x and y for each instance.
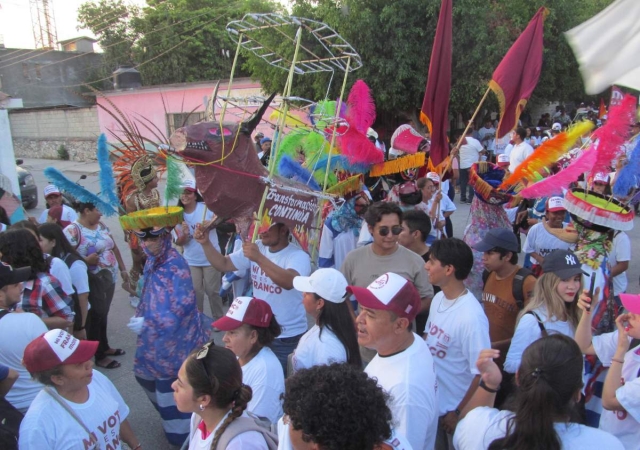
(175, 121)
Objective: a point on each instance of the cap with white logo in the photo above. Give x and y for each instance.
(503, 160)
(189, 184)
(389, 292)
(601, 178)
(55, 348)
(555, 204)
(251, 311)
(563, 263)
(50, 189)
(433, 177)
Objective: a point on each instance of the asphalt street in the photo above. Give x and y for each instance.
(143, 417)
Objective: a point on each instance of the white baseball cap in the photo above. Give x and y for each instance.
(601, 178)
(555, 204)
(372, 133)
(433, 177)
(503, 159)
(329, 284)
(556, 126)
(51, 189)
(189, 184)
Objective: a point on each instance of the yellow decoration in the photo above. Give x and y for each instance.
(398, 165)
(160, 217)
(351, 184)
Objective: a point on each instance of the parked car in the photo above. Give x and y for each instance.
(28, 187)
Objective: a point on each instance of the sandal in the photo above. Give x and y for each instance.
(115, 352)
(112, 365)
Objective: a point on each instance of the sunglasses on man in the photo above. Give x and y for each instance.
(395, 230)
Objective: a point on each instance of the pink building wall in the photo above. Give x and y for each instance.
(155, 102)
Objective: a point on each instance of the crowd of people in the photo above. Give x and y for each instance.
(386, 344)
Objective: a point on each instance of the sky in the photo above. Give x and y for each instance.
(15, 21)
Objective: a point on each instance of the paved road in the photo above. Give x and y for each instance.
(144, 419)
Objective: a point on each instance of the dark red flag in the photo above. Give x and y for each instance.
(435, 106)
(517, 75)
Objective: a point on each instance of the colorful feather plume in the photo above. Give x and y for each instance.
(627, 179)
(358, 149)
(361, 109)
(108, 190)
(612, 135)
(76, 191)
(555, 184)
(174, 180)
(547, 155)
(322, 113)
(291, 144)
(288, 168)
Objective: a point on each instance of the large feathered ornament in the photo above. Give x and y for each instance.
(78, 192)
(555, 184)
(175, 180)
(546, 155)
(613, 134)
(628, 177)
(108, 189)
(288, 168)
(361, 109)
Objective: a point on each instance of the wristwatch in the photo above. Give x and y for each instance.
(487, 388)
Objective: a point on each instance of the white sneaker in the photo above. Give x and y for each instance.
(134, 301)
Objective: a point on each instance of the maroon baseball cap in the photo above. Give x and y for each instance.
(389, 292)
(55, 348)
(251, 311)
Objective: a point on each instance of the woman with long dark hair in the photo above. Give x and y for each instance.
(333, 337)
(54, 242)
(210, 386)
(250, 327)
(544, 409)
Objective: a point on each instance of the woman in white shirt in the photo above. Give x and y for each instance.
(209, 385)
(553, 307)
(544, 408)
(250, 327)
(333, 337)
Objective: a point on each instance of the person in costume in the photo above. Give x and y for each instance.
(341, 231)
(169, 327)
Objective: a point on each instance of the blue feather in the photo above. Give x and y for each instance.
(288, 168)
(76, 191)
(108, 189)
(628, 177)
(340, 162)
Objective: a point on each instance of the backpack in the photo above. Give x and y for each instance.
(10, 418)
(516, 287)
(242, 425)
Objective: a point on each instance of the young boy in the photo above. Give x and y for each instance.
(457, 330)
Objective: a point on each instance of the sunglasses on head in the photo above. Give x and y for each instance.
(395, 230)
(200, 356)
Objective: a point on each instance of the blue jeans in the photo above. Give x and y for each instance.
(283, 347)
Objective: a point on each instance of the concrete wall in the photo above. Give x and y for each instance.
(39, 134)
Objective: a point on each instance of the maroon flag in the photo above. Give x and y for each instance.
(517, 75)
(435, 106)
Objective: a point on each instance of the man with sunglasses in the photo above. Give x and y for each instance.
(53, 197)
(365, 264)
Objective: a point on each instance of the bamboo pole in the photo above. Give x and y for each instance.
(230, 82)
(281, 122)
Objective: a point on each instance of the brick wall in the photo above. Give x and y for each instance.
(39, 134)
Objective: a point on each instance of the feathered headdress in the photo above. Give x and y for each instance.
(108, 189)
(614, 133)
(78, 192)
(627, 179)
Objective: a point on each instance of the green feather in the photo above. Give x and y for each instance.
(174, 180)
(290, 144)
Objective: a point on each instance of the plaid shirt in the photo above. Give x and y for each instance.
(45, 298)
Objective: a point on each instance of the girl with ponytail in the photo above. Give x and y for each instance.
(209, 385)
(549, 382)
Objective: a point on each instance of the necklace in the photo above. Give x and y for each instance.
(454, 301)
(144, 201)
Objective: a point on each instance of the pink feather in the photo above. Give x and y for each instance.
(554, 184)
(358, 149)
(614, 133)
(361, 109)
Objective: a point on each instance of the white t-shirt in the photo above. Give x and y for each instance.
(620, 251)
(315, 349)
(60, 271)
(79, 276)
(501, 144)
(17, 330)
(286, 304)
(470, 152)
(457, 330)
(426, 207)
(528, 331)
(490, 143)
(518, 154)
(192, 251)
(335, 248)
(68, 214)
(625, 425)
(251, 440)
(48, 425)
(483, 425)
(264, 374)
(540, 241)
(409, 377)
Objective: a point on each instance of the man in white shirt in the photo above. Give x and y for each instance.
(488, 137)
(470, 151)
(53, 197)
(404, 366)
(520, 151)
(273, 263)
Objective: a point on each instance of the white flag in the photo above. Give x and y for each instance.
(607, 47)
